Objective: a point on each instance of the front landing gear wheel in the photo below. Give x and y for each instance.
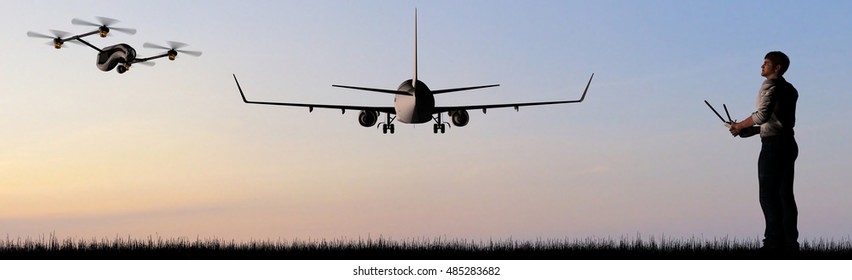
(387, 127)
(439, 127)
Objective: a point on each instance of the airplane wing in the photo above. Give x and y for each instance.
(442, 109)
(389, 110)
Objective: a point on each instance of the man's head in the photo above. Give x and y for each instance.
(775, 64)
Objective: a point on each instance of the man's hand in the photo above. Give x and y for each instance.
(735, 128)
(743, 130)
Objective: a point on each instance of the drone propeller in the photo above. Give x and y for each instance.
(146, 63)
(57, 34)
(105, 25)
(56, 40)
(173, 49)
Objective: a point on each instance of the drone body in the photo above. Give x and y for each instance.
(117, 55)
(120, 56)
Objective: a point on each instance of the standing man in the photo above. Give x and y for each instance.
(776, 117)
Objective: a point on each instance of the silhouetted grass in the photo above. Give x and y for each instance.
(51, 247)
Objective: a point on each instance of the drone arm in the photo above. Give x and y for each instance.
(152, 58)
(85, 35)
(78, 38)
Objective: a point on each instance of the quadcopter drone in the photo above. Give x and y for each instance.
(120, 56)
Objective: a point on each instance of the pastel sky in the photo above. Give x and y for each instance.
(172, 150)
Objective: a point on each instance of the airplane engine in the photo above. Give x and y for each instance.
(368, 118)
(460, 118)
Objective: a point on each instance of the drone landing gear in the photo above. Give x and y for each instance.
(388, 126)
(439, 125)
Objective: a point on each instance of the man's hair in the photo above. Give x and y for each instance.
(779, 58)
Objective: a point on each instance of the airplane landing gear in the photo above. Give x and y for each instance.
(439, 125)
(388, 126)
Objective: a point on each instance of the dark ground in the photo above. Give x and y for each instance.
(440, 249)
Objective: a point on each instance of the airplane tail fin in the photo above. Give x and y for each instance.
(414, 80)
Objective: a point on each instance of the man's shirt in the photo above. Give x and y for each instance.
(776, 108)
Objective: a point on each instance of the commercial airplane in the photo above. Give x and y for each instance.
(414, 103)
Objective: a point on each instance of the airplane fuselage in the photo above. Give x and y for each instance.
(417, 107)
